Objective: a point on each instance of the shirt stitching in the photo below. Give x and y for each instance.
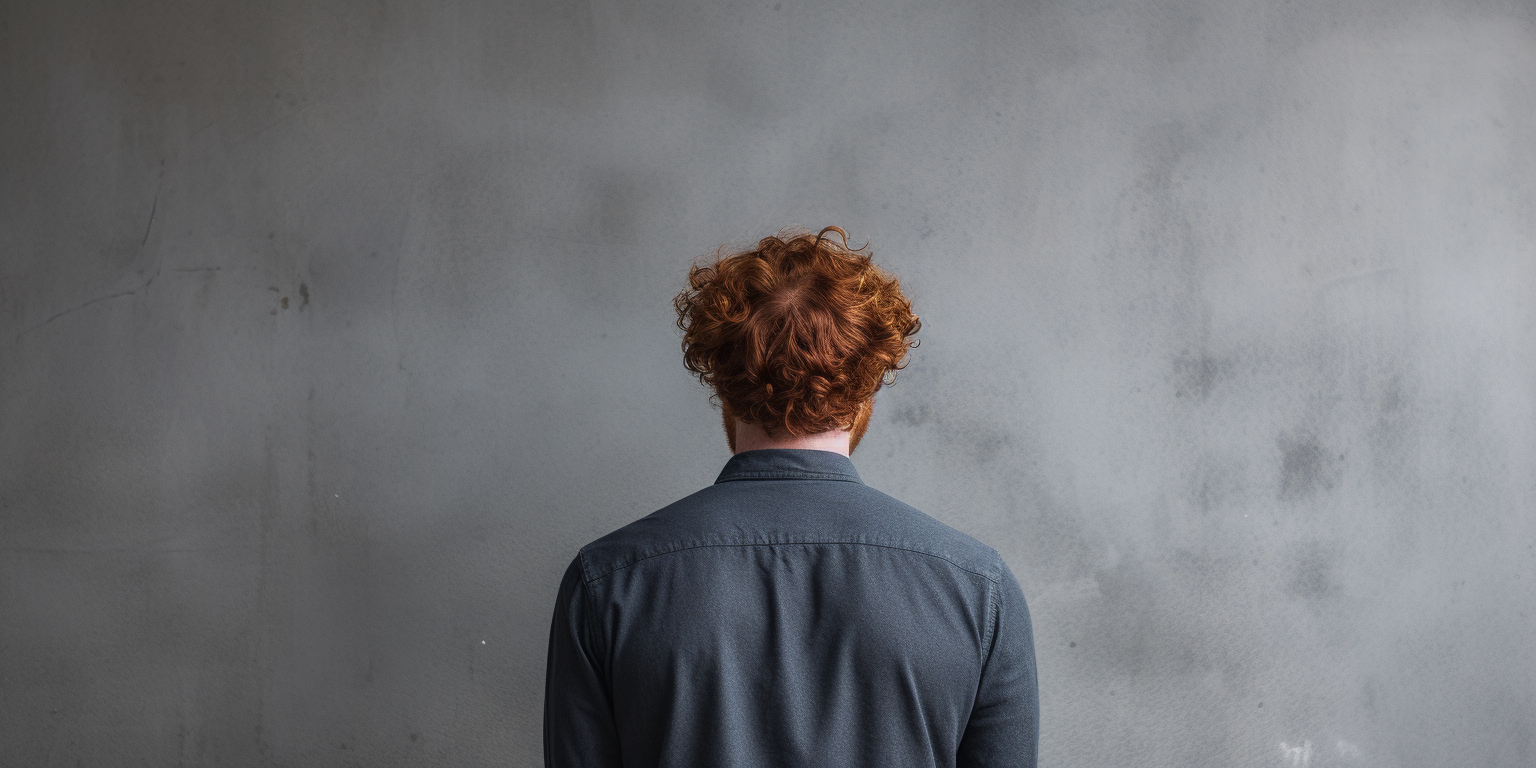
(990, 579)
(586, 573)
(993, 619)
(589, 622)
(587, 609)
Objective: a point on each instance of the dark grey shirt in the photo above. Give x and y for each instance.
(789, 615)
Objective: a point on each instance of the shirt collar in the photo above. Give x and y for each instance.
(788, 464)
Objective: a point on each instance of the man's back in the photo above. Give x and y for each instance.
(790, 615)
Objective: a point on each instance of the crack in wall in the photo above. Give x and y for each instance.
(96, 300)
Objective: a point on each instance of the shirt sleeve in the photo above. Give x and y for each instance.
(579, 728)
(1004, 729)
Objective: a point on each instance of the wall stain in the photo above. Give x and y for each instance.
(915, 415)
(1217, 485)
(1314, 575)
(1195, 375)
(1137, 634)
(983, 442)
(1306, 468)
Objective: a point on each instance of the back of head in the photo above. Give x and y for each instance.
(797, 334)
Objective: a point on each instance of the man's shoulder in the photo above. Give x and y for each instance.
(787, 513)
(667, 529)
(935, 537)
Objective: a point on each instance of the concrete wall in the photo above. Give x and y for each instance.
(329, 332)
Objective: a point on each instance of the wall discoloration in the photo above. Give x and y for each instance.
(1196, 375)
(1307, 468)
(1315, 572)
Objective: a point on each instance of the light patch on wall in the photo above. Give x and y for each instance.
(1300, 755)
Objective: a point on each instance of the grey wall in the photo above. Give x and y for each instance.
(329, 332)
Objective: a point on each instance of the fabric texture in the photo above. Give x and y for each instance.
(789, 615)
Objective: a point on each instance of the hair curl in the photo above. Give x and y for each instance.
(796, 335)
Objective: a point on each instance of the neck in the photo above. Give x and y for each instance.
(751, 437)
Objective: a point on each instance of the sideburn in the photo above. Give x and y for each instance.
(860, 423)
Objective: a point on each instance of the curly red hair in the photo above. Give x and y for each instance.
(797, 334)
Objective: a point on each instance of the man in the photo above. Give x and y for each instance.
(789, 615)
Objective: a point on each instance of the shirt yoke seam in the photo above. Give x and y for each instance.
(992, 579)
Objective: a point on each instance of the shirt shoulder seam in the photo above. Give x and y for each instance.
(994, 609)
